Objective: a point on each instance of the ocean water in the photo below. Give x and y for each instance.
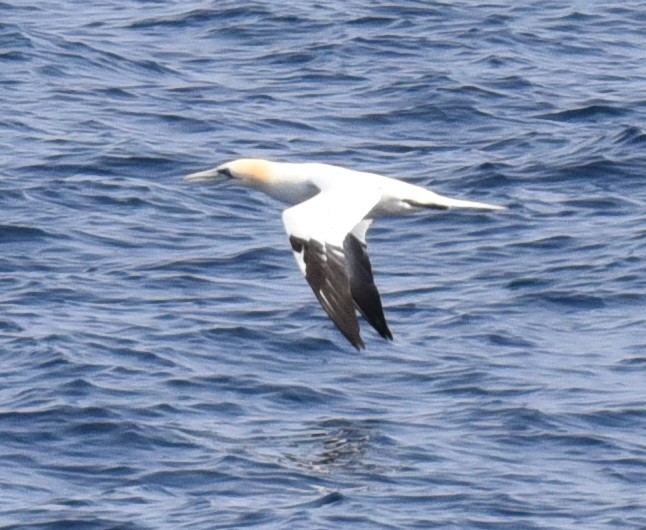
(165, 365)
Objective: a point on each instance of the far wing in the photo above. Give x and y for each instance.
(327, 235)
(362, 284)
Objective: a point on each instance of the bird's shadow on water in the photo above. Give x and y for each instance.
(328, 446)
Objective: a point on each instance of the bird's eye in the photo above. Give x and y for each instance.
(226, 172)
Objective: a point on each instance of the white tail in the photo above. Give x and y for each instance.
(434, 200)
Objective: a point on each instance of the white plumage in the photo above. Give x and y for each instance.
(332, 209)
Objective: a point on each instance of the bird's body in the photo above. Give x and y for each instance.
(331, 210)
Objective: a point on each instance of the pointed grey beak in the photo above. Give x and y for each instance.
(212, 175)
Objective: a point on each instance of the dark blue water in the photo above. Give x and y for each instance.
(165, 365)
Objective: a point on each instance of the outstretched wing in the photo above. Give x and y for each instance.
(327, 235)
(362, 284)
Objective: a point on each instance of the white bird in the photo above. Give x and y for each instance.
(332, 209)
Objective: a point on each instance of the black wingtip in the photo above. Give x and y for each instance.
(351, 333)
(362, 285)
(326, 273)
(378, 322)
(358, 344)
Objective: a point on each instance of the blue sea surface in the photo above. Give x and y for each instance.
(164, 364)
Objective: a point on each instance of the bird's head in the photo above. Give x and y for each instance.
(252, 172)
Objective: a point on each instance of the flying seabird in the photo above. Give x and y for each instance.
(331, 210)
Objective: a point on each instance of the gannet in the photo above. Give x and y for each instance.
(331, 209)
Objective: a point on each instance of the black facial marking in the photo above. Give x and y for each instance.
(226, 172)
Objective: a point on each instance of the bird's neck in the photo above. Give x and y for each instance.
(290, 189)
